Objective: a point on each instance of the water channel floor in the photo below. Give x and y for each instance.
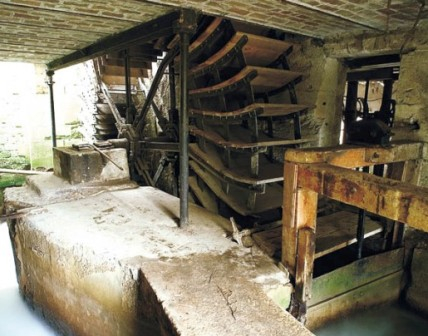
(390, 320)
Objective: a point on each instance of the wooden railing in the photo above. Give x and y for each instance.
(309, 173)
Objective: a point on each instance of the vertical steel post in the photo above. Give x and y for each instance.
(172, 95)
(184, 130)
(50, 83)
(129, 114)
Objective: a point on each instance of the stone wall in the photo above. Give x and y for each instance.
(411, 89)
(322, 89)
(25, 122)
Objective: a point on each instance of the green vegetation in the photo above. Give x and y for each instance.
(11, 180)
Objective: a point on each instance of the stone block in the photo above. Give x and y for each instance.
(76, 166)
(88, 165)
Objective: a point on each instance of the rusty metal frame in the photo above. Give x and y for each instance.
(309, 173)
(148, 31)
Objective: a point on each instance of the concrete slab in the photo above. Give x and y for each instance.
(117, 264)
(46, 189)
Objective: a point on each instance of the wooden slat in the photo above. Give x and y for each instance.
(239, 142)
(115, 70)
(135, 63)
(117, 80)
(260, 50)
(259, 109)
(269, 172)
(269, 241)
(205, 197)
(262, 80)
(236, 198)
(205, 35)
(333, 232)
(257, 51)
(268, 79)
(356, 274)
(338, 230)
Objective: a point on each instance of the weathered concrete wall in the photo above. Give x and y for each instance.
(143, 275)
(412, 101)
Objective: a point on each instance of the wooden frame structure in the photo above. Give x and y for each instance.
(309, 173)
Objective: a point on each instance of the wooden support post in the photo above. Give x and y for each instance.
(129, 108)
(304, 271)
(289, 233)
(312, 172)
(299, 211)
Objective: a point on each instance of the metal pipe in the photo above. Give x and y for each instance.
(50, 83)
(172, 96)
(184, 130)
(22, 172)
(140, 118)
(366, 100)
(128, 116)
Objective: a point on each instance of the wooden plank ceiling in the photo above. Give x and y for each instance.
(40, 31)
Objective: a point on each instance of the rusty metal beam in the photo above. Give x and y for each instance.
(145, 32)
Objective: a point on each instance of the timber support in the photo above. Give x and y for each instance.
(310, 173)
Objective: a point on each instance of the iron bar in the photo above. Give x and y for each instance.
(127, 62)
(145, 32)
(141, 117)
(159, 145)
(50, 83)
(172, 96)
(188, 25)
(293, 99)
(184, 129)
(22, 172)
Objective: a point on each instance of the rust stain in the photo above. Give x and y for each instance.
(328, 185)
(352, 190)
(403, 213)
